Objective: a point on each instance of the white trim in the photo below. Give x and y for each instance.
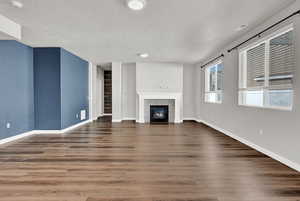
(129, 119)
(17, 137)
(116, 120)
(76, 126)
(40, 132)
(287, 109)
(10, 28)
(189, 119)
(63, 130)
(103, 115)
(267, 152)
(91, 98)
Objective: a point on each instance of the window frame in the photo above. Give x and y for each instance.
(207, 82)
(242, 55)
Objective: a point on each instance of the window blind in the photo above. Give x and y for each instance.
(282, 60)
(267, 71)
(256, 66)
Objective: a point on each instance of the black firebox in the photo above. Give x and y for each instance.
(159, 114)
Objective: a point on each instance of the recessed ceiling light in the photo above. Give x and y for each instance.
(17, 4)
(242, 27)
(136, 4)
(143, 55)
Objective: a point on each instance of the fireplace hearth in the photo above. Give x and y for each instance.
(159, 114)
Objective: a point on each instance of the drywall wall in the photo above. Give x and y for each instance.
(159, 77)
(128, 91)
(280, 128)
(189, 91)
(129, 95)
(116, 91)
(60, 88)
(47, 88)
(96, 91)
(16, 86)
(74, 88)
(99, 92)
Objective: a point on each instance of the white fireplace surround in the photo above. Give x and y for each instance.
(177, 97)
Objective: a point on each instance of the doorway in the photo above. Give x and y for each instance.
(107, 92)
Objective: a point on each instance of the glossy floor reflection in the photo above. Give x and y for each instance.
(126, 161)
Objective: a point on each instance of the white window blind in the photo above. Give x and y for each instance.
(214, 82)
(282, 59)
(256, 66)
(267, 71)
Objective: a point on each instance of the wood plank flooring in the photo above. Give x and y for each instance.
(127, 161)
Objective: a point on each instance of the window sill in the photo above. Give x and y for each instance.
(208, 102)
(288, 109)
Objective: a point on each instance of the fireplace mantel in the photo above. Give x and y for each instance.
(142, 96)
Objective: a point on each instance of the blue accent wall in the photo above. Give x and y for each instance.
(61, 88)
(41, 88)
(16, 87)
(47, 88)
(74, 88)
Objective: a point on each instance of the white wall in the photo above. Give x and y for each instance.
(96, 81)
(129, 91)
(151, 76)
(99, 105)
(92, 90)
(280, 128)
(117, 92)
(159, 77)
(189, 91)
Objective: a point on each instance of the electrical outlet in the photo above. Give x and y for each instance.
(261, 132)
(77, 116)
(82, 115)
(8, 125)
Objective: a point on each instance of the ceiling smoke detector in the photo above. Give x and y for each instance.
(136, 4)
(17, 4)
(143, 55)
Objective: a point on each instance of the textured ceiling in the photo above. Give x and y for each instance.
(169, 30)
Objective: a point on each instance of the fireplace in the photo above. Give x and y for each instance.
(159, 114)
(148, 99)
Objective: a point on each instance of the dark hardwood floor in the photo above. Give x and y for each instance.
(122, 162)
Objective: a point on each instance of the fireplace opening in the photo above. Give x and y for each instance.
(159, 114)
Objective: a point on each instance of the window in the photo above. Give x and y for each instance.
(266, 71)
(214, 83)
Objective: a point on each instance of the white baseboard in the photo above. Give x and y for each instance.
(37, 132)
(189, 119)
(75, 126)
(128, 119)
(269, 153)
(47, 132)
(175, 122)
(17, 137)
(116, 120)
